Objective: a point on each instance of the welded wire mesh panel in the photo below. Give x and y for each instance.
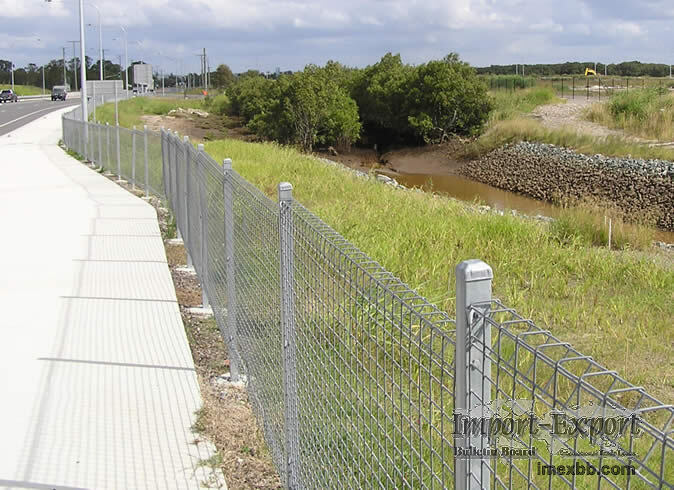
(589, 427)
(374, 370)
(172, 148)
(371, 370)
(96, 146)
(193, 204)
(155, 163)
(75, 137)
(138, 177)
(258, 334)
(212, 270)
(126, 155)
(110, 152)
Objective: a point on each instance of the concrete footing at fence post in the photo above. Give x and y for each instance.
(287, 280)
(472, 385)
(230, 259)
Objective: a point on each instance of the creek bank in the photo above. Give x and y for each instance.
(551, 173)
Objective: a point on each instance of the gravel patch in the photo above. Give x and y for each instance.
(551, 173)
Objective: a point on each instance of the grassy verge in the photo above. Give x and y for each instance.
(508, 105)
(130, 111)
(602, 225)
(616, 307)
(24, 89)
(645, 113)
(522, 129)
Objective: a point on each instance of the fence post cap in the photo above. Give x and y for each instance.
(226, 163)
(474, 270)
(285, 191)
(186, 138)
(144, 127)
(134, 127)
(200, 147)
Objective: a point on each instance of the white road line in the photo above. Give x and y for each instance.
(24, 116)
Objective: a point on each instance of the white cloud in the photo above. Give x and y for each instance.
(547, 26)
(291, 33)
(626, 28)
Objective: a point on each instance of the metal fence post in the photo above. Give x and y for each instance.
(133, 158)
(472, 389)
(230, 258)
(79, 139)
(164, 164)
(203, 228)
(287, 247)
(107, 146)
(186, 199)
(176, 185)
(119, 155)
(147, 172)
(100, 146)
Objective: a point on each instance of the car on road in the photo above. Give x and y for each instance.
(8, 95)
(58, 92)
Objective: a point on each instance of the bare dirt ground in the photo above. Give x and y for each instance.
(200, 128)
(570, 115)
(226, 417)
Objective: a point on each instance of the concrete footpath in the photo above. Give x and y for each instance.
(97, 381)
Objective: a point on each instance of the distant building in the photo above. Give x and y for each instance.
(143, 81)
(104, 90)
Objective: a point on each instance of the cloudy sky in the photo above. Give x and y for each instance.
(264, 34)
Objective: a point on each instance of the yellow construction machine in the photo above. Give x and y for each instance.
(590, 71)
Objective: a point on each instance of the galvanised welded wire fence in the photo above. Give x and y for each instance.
(357, 381)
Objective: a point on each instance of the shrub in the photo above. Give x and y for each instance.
(220, 104)
(446, 97)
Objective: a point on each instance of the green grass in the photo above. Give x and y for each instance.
(646, 113)
(130, 111)
(508, 105)
(24, 89)
(594, 224)
(522, 129)
(597, 299)
(616, 307)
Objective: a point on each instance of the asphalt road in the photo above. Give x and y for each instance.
(15, 115)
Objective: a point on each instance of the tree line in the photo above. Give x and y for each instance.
(384, 103)
(53, 72)
(624, 69)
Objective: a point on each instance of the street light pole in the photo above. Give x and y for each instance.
(126, 62)
(83, 73)
(43, 91)
(75, 63)
(100, 42)
(12, 76)
(64, 68)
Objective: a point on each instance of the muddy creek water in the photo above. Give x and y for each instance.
(469, 190)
